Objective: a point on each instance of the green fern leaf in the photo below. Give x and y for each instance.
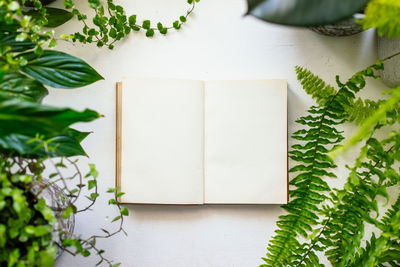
(316, 139)
(314, 86)
(384, 16)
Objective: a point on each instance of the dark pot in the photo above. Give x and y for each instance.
(343, 28)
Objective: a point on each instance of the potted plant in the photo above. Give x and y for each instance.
(325, 222)
(340, 18)
(38, 146)
(37, 207)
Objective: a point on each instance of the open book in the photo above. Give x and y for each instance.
(202, 142)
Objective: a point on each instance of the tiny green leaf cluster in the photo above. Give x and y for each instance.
(25, 223)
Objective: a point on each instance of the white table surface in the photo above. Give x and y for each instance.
(218, 42)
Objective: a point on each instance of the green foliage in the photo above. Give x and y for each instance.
(380, 14)
(67, 144)
(58, 69)
(360, 110)
(384, 16)
(54, 16)
(314, 86)
(26, 223)
(353, 205)
(375, 118)
(29, 118)
(18, 85)
(386, 248)
(35, 137)
(321, 219)
(112, 24)
(304, 12)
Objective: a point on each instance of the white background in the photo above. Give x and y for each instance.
(218, 42)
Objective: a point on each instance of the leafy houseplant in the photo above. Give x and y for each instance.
(327, 221)
(38, 146)
(36, 137)
(380, 14)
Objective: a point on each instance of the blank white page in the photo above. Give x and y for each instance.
(245, 157)
(162, 141)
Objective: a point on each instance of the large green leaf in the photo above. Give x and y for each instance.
(29, 118)
(304, 12)
(7, 38)
(59, 69)
(16, 84)
(67, 145)
(55, 16)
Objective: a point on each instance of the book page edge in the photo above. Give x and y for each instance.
(118, 140)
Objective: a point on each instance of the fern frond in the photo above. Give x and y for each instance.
(360, 110)
(386, 248)
(317, 138)
(352, 205)
(379, 115)
(390, 257)
(309, 183)
(390, 214)
(384, 16)
(314, 86)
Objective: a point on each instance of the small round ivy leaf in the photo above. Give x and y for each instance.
(132, 20)
(112, 20)
(150, 33)
(182, 18)
(113, 33)
(146, 24)
(120, 35)
(160, 26)
(120, 9)
(92, 32)
(164, 31)
(135, 28)
(176, 25)
(124, 211)
(68, 4)
(110, 5)
(52, 43)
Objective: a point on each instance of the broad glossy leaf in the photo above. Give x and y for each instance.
(304, 12)
(67, 145)
(60, 70)
(7, 38)
(28, 118)
(16, 84)
(55, 16)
